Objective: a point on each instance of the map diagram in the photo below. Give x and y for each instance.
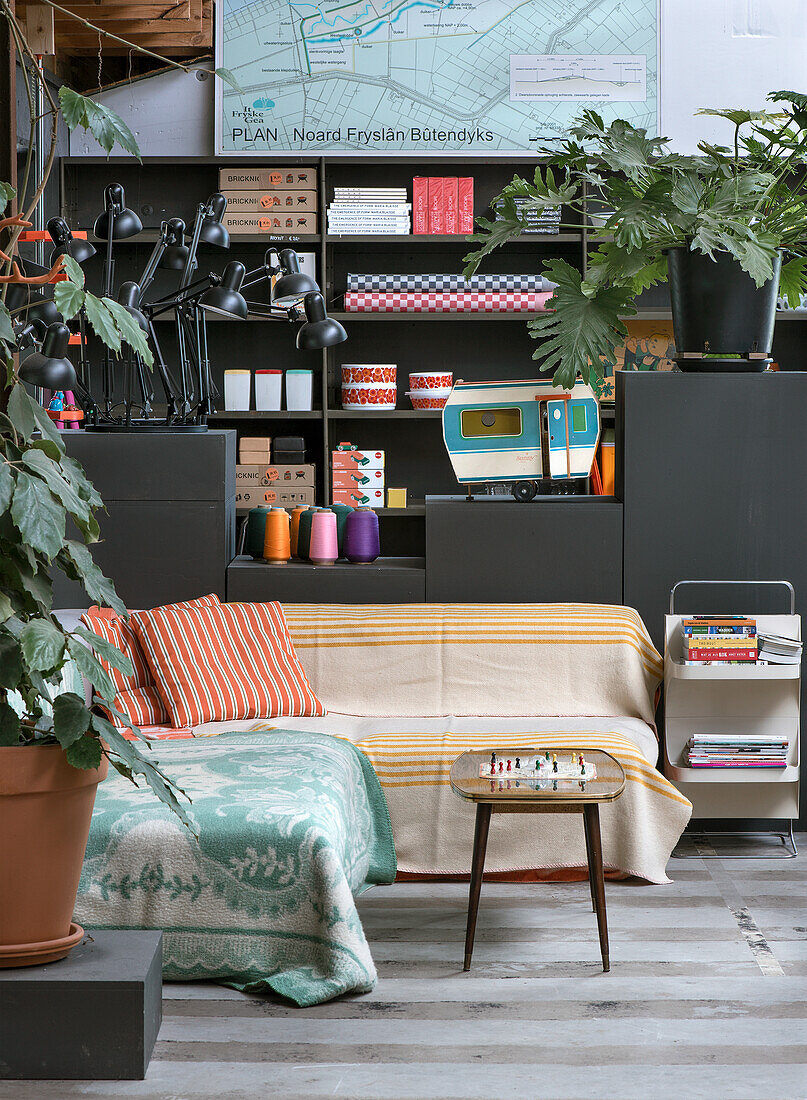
(429, 76)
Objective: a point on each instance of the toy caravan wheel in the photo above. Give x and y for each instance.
(524, 491)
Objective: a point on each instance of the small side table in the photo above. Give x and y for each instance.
(563, 796)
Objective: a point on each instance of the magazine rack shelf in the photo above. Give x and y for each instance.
(732, 700)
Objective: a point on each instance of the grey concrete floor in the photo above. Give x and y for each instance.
(706, 998)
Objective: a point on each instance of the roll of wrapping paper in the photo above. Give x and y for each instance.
(256, 531)
(324, 548)
(277, 540)
(295, 527)
(362, 543)
(342, 512)
(304, 533)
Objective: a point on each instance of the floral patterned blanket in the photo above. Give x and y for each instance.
(291, 827)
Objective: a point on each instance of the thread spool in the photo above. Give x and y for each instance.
(324, 548)
(342, 512)
(362, 543)
(295, 527)
(256, 531)
(304, 533)
(277, 542)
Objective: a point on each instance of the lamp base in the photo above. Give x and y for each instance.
(147, 427)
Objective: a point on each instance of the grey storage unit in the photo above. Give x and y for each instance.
(169, 530)
(548, 551)
(386, 580)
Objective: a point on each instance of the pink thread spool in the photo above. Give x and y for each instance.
(324, 548)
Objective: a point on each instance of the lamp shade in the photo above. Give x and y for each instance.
(292, 285)
(320, 330)
(16, 296)
(124, 222)
(176, 251)
(213, 232)
(129, 298)
(41, 308)
(226, 298)
(49, 367)
(66, 243)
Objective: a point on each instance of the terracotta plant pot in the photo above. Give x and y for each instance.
(45, 811)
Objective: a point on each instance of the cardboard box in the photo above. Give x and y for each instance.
(239, 202)
(259, 496)
(351, 460)
(357, 478)
(358, 498)
(266, 179)
(259, 475)
(281, 224)
(396, 498)
(255, 450)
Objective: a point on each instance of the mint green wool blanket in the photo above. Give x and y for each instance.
(291, 827)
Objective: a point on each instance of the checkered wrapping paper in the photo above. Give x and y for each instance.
(480, 302)
(449, 282)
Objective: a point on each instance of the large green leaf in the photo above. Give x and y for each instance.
(42, 645)
(584, 329)
(6, 485)
(20, 412)
(756, 253)
(91, 669)
(71, 719)
(507, 225)
(80, 482)
(77, 563)
(73, 270)
(110, 653)
(134, 762)
(85, 753)
(102, 321)
(793, 280)
(104, 125)
(11, 669)
(51, 473)
(46, 426)
(129, 330)
(6, 330)
(37, 516)
(7, 193)
(69, 298)
(9, 727)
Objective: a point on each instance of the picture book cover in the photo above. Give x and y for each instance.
(650, 346)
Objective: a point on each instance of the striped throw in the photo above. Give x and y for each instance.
(137, 694)
(422, 660)
(224, 663)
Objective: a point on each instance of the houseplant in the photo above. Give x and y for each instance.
(54, 749)
(736, 212)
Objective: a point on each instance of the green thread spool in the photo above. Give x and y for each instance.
(304, 534)
(256, 532)
(342, 512)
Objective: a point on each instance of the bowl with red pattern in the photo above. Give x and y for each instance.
(366, 373)
(429, 399)
(368, 395)
(431, 380)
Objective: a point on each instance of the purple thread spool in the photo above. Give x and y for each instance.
(361, 544)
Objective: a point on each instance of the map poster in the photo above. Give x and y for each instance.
(430, 77)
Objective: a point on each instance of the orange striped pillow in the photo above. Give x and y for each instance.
(137, 694)
(224, 663)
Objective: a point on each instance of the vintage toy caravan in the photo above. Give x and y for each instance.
(520, 432)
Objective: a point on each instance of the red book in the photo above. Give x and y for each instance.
(437, 213)
(714, 654)
(465, 204)
(420, 204)
(450, 199)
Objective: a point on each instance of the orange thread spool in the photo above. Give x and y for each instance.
(295, 527)
(276, 540)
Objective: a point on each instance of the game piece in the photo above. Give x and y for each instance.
(492, 763)
(501, 766)
(509, 765)
(518, 763)
(554, 762)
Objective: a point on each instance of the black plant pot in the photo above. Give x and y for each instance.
(718, 309)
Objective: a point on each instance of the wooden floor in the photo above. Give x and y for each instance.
(707, 998)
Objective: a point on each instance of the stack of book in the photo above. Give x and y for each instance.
(709, 639)
(370, 210)
(535, 221)
(742, 750)
(776, 650)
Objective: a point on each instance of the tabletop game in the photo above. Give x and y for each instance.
(538, 766)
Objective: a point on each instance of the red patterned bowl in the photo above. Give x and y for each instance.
(429, 399)
(431, 380)
(365, 396)
(353, 373)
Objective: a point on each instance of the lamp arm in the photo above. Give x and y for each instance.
(170, 301)
(147, 278)
(190, 262)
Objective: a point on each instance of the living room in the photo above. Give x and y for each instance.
(402, 700)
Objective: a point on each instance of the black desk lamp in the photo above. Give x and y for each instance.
(50, 368)
(320, 330)
(66, 244)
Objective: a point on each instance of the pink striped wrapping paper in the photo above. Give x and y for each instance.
(489, 301)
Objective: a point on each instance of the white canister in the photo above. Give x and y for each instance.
(299, 390)
(236, 390)
(267, 390)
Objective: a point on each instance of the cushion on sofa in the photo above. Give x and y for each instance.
(223, 663)
(137, 694)
(421, 660)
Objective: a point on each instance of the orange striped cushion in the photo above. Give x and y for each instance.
(224, 663)
(137, 694)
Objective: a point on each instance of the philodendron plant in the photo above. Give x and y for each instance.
(747, 199)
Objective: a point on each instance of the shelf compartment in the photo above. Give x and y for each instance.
(446, 238)
(385, 414)
(752, 672)
(254, 414)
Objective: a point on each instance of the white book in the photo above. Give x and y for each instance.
(359, 208)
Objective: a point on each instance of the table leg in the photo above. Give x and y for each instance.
(589, 865)
(592, 815)
(483, 811)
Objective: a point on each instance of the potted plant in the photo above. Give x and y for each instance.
(54, 748)
(727, 228)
